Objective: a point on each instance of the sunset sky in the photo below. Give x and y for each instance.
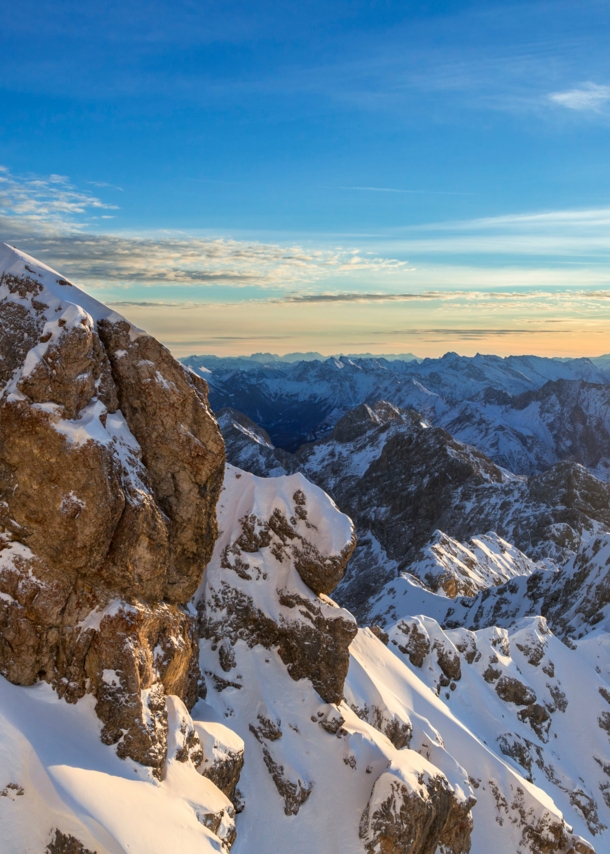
(337, 176)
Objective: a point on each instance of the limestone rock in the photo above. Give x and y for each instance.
(413, 814)
(166, 409)
(63, 843)
(223, 758)
(110, 468)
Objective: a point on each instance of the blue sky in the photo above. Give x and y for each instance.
(374, 176)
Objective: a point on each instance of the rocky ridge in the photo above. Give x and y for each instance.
(491, 604)
(418, 497)
(401, 775)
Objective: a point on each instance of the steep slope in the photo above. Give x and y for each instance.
(346, 747)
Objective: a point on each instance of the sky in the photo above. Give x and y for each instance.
(340, 176)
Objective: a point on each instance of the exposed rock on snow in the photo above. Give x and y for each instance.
(407, 816)
(290, 533)
(63, 844)
(452, 568)
(107, 513)
(223, 758)
(510, 814)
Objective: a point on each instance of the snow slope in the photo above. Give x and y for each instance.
(57, 774)
(312, 766)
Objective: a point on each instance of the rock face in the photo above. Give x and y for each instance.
(110, 468)
(402, 821)
(63, 844)
(223, 758)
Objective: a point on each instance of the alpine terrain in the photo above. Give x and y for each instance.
(364, 607)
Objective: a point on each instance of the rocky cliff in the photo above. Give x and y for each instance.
(110, 468)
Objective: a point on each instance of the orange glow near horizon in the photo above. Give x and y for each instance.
(246, 328)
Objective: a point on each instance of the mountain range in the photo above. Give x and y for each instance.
(525, 412)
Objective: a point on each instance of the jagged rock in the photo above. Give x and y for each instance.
(401, 818)
(360, 420)
(167, 412)
(128, 493)
(511, 690)
(379, 633)
(223, 758)
(293, 792)
(448, 660)
(185, 743)
(64, 843)
(417, 643)
(310, 633)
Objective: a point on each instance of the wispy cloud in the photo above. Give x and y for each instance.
(44, 205)
(192, 261)
(104, 184)
(361, 297)
(50, 217)
(558, 234)
(588, 97)
(464, 334)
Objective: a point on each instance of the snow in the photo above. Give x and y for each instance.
(56, 289)
(71, 781)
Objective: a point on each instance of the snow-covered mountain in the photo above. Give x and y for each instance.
(403, 481)
(496, 624)
(174, 675)
(498, 404)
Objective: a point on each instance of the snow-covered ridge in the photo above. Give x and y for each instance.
(341, 770)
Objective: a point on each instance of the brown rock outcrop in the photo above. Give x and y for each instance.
(254, 591)
(63, 843)
(107, 514)
(167, 412)
(400, 820)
